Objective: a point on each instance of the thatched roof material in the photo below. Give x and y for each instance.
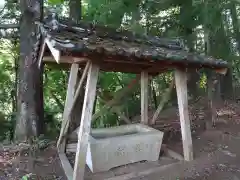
(81, 39)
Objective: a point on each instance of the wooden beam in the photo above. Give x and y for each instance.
(69, 99)
(55, 52)
(171, 153)
(181, 87)
(85, 127)
(66, 59)
(117, 110)
(71, 147)
(80, 86)
(117, 96)
(165, 99)
(120, 114)
(222, 71)
(68, 170)
(40, 58)
(144, 97)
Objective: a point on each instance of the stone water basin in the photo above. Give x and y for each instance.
(117, 146)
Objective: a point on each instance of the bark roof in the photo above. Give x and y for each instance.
(87, 39)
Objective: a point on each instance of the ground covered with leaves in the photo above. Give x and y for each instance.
(216, 151)
(17, 162)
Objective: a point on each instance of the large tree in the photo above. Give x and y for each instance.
(30, 85)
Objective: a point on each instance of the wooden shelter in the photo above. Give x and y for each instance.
(94, 48)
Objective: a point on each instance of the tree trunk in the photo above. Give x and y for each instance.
(187, 24)
(207, 46)
(212, 101)
(75, 14)
(29, 74)
(226, 85)
(235, 23)
(14, 92)
(75, 7)
(221, 48)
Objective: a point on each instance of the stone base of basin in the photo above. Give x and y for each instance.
(117, 146)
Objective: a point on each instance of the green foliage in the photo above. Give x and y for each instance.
(27, 176)
(189, 19)
(55, 2)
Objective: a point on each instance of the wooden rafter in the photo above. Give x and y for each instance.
(85, 127)
(55, 52)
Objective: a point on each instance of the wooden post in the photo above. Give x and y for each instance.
(85, 126)
(69, 99)
(181, 86)
(144, 97)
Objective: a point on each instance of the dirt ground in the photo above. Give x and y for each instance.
(216, 153)
(44, 166)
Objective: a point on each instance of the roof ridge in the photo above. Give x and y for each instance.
(55, 22)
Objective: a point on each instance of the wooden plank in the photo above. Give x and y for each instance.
(71, 147)
(68, 170)
(144, 97)
(117, 110)
(181, 87)
(69, 99)
(165, 99)
(40, 58)
(120, 114)
(66, 59)
(85, 126)
(80, 86)
(118, 95)
(171, 153)
(55, 52)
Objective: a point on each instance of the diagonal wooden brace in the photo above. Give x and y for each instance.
(166, 97)
(69, 98)
(70, 101)
(118, 95)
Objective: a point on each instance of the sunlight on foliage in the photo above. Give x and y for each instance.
(188, 19)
